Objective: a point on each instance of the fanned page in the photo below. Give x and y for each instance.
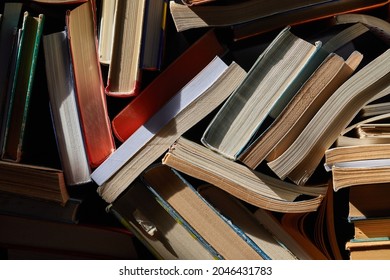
(251, 186)
(168, 112)
(296, 115)
(98, 137)
(270, 84)
(301, 159)
(204, 104)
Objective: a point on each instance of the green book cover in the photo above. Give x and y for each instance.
(17, 114)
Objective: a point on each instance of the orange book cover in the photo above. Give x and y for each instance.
(95, 122)
(166, 85)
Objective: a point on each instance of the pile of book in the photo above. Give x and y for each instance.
(216, 149)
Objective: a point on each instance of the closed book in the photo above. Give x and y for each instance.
(232, 13)
(95, 123)
(270, 84)
(34, 181)
(64, 109)
(165, 235)
(177, 194)
(19, 100)
(124, 74)
(8, 33)
(153, 35)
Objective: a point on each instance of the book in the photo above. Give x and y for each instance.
(357, 156)
(76, 241)
(271, 82)
(60, 1)
(375, 249)
(298, 17)
(273, 225)
(317, 89)
(113, 176)
(378, 26)
(64, 109)
(153, 35)
(349, 176)
(124, 74)
(235, 212)
(106, 30)
(166, 237)
(296, 225)
(197, 2)
(166, 85)
(23, 206)
(8, 30)
(301, 159)
(349, 136)
(376, 227)
(33, 181)
(253, 187)
(368, 201)
(92, 104)
(188, 17)
(357, 165)
(374, 109)
(19, 100)
(380, 130)
(181, 198)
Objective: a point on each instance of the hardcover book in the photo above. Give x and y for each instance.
(97, 133)
(21, 91)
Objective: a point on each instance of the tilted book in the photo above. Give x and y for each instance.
(193, 103)
(64, 109)
(186, 17)
(124, 74)
(251, 186)
(21, 91)
(177, 194)
(270, 84)
(95, 123)
(163, 233)
(304, 105)
(301, 159)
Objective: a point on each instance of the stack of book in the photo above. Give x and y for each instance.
(203, 143)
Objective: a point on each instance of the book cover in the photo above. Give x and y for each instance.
(21, 91)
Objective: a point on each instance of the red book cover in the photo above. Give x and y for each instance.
(166, 85)
(95, 123)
